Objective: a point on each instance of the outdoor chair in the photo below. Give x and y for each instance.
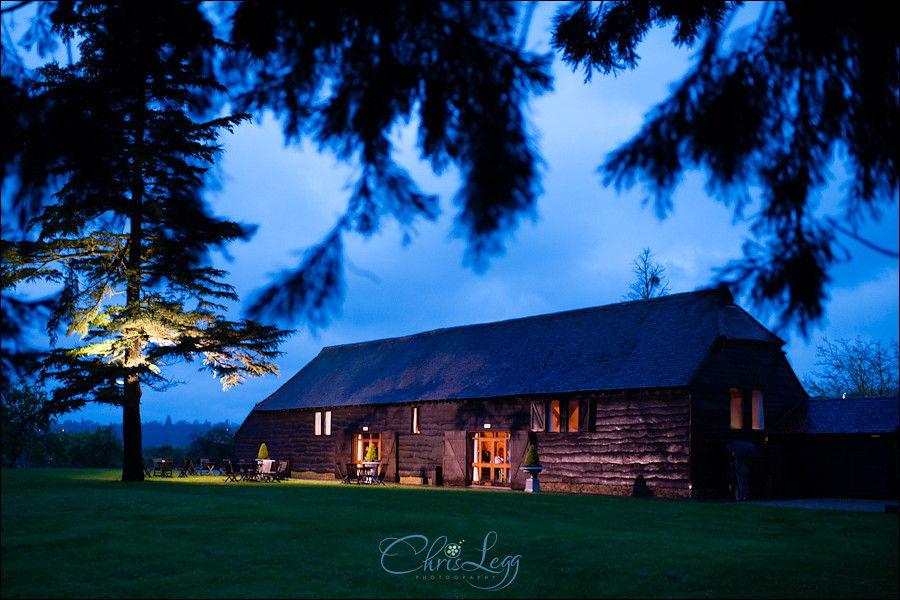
(165, 467)
(230, 473)
(148, 471)
(281, 471)
(352, 474)
(381, 473)
(205, 467)
(248, 471)
(187, 469)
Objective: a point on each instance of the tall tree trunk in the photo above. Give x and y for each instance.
(133, 459)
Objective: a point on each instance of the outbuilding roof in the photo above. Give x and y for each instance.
(653, 343)
(869, 415)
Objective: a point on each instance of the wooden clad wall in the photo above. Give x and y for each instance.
(637, 433)
(748, 366)
(290, 433)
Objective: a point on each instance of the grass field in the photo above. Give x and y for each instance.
(84, 534)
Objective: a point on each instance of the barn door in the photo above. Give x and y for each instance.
(343, 452)
(455, 463)
(389, 454)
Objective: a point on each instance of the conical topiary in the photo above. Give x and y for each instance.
(531, 458)
(263, 451)
(372, 453)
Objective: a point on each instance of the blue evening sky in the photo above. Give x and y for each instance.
(576, 252)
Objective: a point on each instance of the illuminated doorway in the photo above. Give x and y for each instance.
(361, 448)
(490, 456)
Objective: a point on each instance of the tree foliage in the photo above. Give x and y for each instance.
(215, 444)
(101, 448)
(25, 424)
(650, 278)
(348, 73)
(127, 234)
(110, 154)
(770, 105)
(855, 367)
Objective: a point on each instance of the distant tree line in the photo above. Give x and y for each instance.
(101, 448)
(155, 433)
(31, 438)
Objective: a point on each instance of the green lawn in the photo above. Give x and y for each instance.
(83, 534)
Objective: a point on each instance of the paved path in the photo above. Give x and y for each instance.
(833, 504)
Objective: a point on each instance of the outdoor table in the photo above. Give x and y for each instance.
(369, 471)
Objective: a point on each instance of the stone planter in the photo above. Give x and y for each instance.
(532, 484)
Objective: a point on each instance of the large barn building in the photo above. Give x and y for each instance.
(646, 392)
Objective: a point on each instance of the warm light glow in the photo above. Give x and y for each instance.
(554, 416)
(573, 415)
(737, 408)
(757, 410)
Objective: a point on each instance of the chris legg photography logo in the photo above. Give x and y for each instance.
(443, 560)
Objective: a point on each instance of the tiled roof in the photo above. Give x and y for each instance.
(642, 344)
(842, 415)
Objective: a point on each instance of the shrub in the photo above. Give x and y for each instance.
(531, 458)
(372, 453)
(263, 451)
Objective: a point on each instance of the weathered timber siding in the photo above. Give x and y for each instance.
(749, 366)
(636, 433)
(290, 433)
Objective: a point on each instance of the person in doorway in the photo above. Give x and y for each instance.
(741, 476)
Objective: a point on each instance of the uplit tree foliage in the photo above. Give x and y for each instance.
(855, 367)
(770, 105)
(650, 280)
(126, 235)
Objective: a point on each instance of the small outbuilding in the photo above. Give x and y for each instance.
(648, 392)
(836, 448)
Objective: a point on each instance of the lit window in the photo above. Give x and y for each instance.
(573, 415)
(554, 416)
(327, 422)
(747, 409)
(737, 408)
(415, 419)
(757, 410)
(318, 425)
